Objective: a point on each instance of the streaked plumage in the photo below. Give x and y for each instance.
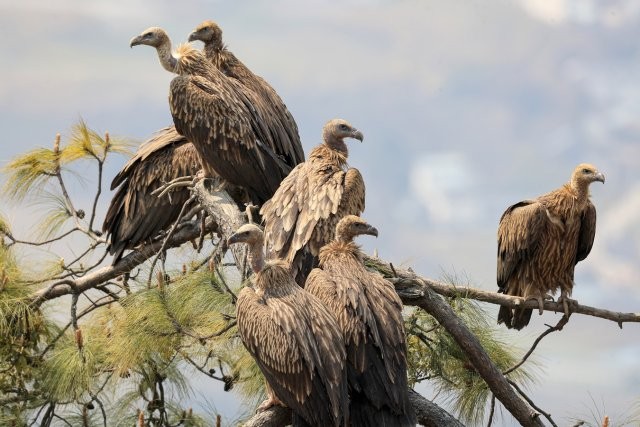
(294, 339)
(135, 215)
(280, 122)
(540, 241)
(302, 215)
(369, 312)
(217, 114)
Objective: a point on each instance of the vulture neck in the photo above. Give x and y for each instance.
(336, 144)
(256, 256)
(579, 190)
(167, 60)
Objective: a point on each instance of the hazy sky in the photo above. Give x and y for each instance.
(467, 106)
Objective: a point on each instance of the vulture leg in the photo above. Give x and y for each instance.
(272, 399)
(566, 301)
(541, 299)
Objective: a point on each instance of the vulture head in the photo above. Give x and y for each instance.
(158, 38)
(207, 32)
(253, 236)
(154, 37)
(584, 174)
(336, 130)
(250, 234)
(352, 226)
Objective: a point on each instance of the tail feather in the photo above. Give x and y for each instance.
(514, 319)
(364, 414)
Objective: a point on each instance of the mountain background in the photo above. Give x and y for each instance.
(467, 106)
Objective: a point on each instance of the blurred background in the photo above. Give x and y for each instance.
(467, 106)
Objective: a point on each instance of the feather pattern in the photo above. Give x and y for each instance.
(303, 213)
(297, 344)
(135, 215)
(279, 121)
(369, 313)
(540, 241)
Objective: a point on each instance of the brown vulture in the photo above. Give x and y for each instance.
(281, 124)
(135, 215)
(217, 114)
(369, 312)
(293, 338)
(302, 215)
(540, 241)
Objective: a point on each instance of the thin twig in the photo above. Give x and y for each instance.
(533, 405)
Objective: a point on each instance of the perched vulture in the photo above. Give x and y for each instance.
(217, 114)
(369, 312)
(281, 124)
(302, 215)
(135, 215)
(540, 241)
(294, 340)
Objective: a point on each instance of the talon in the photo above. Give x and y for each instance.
(271, 401)
(566, 302)
(540, 299)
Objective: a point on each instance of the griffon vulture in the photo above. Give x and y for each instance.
(135, 215)
(540, 241)
(218, 115)
(294, 340)
(369, 312)
(302, 215)
(281, 124)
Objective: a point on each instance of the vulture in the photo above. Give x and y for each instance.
(293, 338)
(282, 126)
(301, 216)
(218, 115)
(541, 240)
(369, 313)
(135, 215)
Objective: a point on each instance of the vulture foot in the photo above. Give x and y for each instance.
(272, 400)
(541, 299)
(567, 302)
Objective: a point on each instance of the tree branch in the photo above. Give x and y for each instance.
(428, 413)
(408, 282)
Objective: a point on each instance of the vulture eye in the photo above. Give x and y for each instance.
(586, 171)
(344, 127)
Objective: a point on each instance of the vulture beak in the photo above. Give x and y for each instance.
(356, 134)
(372, 231)
(232, 239)
(599, 177)
(135, 41)
(192, 36)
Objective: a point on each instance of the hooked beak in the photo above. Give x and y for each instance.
(135, 41)
(232, 239)
(357, 135)
(372, 231)
(599, 177)
(193, 36)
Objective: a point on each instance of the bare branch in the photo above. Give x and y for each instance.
(428, 413)
(411, 284)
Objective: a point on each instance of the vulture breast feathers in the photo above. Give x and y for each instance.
(540, 241)
(302, 215)
(294, 339)
(135, 215)
(281, 124)
(217, 114)
(369, 313)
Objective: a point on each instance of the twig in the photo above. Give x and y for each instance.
(561, 323)
(533, 405)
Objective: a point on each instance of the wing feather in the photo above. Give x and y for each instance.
(587, 232)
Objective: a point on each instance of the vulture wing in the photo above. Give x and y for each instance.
(587, 232)
(299, 350)
(135, 215)
(521, 226)
(228, 133)
(369, 313)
